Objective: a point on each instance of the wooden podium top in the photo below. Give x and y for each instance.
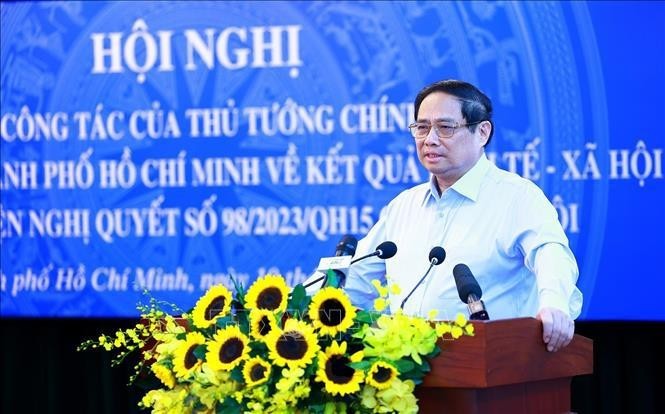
(508, 351)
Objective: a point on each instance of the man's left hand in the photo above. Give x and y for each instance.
(558, 328)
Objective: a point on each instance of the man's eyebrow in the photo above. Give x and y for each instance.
(436, 120)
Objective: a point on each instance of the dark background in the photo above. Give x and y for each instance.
(43, 373)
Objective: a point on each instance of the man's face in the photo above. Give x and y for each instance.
(449, 158)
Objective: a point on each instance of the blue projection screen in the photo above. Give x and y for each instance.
(170, 146)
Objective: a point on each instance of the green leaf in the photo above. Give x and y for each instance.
(298, 293)
(225, 321)
(258, 348)
(425, 367)
(239, 289)
(332, 278)
(363, 365)
(317, 408)
(366, 317)
(416, 375)
(200, 352)
(435, 352)
(236, 375)
(310, 370)
(299, 299)
(229, 406)
(404, 365)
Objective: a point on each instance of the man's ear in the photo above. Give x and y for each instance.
(485, 128)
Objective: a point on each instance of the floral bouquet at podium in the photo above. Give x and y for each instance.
(269, 349)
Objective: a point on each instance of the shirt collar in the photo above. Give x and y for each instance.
(468, 185)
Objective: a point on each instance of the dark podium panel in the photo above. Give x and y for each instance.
(504, 368)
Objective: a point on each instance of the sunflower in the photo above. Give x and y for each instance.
(335, 373)
(381, 374)
(256, 371)
(269, 292)
(228, 348)
(295, 346)
(212, 306)
(261, 322)
(331, 311)
(184, 360)
(163, 374)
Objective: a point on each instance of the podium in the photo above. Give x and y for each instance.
(504, 368)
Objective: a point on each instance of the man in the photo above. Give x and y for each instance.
(496, 222)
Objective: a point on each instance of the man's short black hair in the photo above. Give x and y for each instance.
(476, 106)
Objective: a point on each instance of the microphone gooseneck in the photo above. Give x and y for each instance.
(436, 256)
(385, 250)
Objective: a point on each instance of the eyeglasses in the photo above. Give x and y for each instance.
(420, 130)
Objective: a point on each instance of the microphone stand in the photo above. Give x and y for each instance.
(431, 265)
(376, 253)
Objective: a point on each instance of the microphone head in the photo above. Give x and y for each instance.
(386, 250)
(437, 255)
(466, 283)
(346, 246)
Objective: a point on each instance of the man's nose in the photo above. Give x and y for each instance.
(432, 138)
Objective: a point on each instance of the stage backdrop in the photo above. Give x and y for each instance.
(170, 146)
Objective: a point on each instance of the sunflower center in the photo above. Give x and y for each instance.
(231, 350)
(269, 298)
(337, 369)
(331, 312)
(292, 345)
(264, 326)
(258, 372)
(190, 358)
(215, 307)
(382, 374)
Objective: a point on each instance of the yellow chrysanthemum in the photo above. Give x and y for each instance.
(215, 304)
(184, 360)
(442, 328)
(431, 315)
(167, 401)
(228, 348)
(293, 386)
(262, 322)
(460, 320)
(381, 374)
(398, 398)
(382, 290)
(294, 346)
(163, 374)
(269, 292)
(380, 304)
(335, 373)
(399, 335)
(255, 371)
(331, 311)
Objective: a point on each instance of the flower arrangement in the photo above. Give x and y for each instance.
(271, 350)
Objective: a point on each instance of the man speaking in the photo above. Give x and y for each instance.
(501, 226)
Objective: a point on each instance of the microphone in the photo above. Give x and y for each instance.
(436, 256)
(346, 248)
(470, 292)
(385, 250)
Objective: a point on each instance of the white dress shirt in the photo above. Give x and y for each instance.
(499, 224)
